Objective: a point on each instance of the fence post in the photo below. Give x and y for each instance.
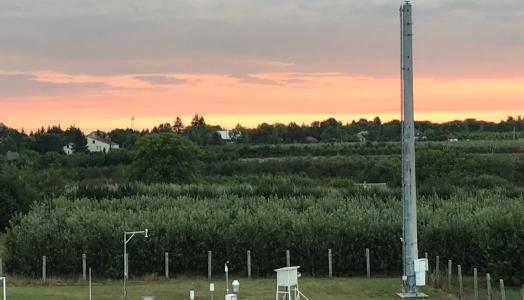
(428, 267)
(488, 286)
(437, 271)
(84, 258)
(502, 290)
(450, 273)
(209, 264)
(166, 262)
(249, 264)
(1, 268)
(288, 259)
(475, 284)
(330, 263)
(368, 264)
(90, 287)
(44, 258)
(461, 286)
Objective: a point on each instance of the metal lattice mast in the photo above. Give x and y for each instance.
(410, 247)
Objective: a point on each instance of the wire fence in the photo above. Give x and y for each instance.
(474, 285)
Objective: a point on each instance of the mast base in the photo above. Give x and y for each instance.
(412, 295)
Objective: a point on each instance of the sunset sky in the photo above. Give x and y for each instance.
(98, 63)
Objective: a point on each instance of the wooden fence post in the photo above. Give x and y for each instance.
(288, 258)
(461, 286)
(502, 290)
(330, 263)
(475, 284)
(84, 264)
(44, 258)
(368, 263)
(427, 259)
(249, 264)
(209, 264)
(437, 271)
(450, 273)
(166, 263)
(488, 286)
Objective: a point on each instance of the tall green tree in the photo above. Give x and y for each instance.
(76, 136)
(166, 158)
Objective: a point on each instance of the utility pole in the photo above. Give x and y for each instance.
(409, 191)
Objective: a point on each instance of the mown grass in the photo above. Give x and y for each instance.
(263, 289)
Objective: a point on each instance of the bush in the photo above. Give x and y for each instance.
(164, 158)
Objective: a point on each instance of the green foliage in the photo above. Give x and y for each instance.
(75, 136)
(16, 195)
(166, 157)
(483, 230)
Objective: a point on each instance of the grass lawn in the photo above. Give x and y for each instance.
(313, 288)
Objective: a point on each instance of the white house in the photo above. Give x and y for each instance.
(224, 135)
(229, 135)
(97, 143)
(68, 149)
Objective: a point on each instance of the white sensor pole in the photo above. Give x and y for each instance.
(126, 263)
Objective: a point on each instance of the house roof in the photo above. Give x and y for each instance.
(93, 135)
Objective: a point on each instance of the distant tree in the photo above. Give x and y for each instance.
(178, 126)
(198, 121)
(295, 133)
(164, 158)
(76, 136)
(265, 134)
(163, 127)
(16, 195)
(48, 142)
(125, 138)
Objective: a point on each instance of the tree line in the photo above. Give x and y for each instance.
(53, 138)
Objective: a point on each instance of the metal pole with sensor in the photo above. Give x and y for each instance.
(409, 191)
(131, 234)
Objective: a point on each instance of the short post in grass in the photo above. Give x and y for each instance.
(502, 290)
(209, 264)
(330, 263)
(428, 267)
(90, 288)
(461, 285)
(166, 264)
(450, 273)
(288, 258)
(488, 286)
(437, 271)
(368, 264)
(84, 258)
(475, 284)
(44, 258)
(249, 264)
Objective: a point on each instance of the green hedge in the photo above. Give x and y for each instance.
(484, 230)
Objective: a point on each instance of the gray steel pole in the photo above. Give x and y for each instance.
(410, 245)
